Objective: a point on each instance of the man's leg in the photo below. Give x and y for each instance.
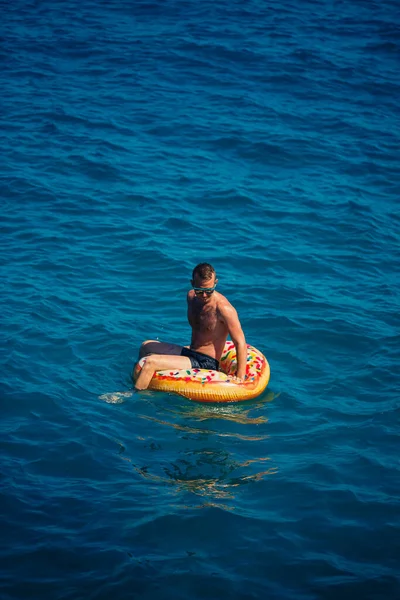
(156, 347)
(159, 362)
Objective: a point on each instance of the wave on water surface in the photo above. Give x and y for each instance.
(136, 141)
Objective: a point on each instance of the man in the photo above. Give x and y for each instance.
(212, 319)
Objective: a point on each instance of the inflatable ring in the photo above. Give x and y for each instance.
(215, 386)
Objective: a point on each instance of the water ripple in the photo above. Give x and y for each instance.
(136, 141)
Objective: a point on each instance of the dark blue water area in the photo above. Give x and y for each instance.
(138, 139)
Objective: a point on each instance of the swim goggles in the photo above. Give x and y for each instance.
(201, 291)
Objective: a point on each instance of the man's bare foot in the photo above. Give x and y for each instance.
(139, 388)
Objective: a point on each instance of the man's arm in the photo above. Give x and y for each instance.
(235, 331)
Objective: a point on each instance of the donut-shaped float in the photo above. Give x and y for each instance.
(215, 386)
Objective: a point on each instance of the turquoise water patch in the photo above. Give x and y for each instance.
(138, 139)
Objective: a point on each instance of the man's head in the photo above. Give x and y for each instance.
(204, 281)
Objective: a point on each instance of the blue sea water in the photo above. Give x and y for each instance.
(138, 139)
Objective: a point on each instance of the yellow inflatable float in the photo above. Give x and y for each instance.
(215, 386)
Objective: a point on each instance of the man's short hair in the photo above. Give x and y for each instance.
(203, 271)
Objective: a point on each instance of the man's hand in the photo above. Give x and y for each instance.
(236, 379)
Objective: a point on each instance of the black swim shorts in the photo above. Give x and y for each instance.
(200, 360)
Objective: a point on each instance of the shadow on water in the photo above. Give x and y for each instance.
(235, 411)
(216, 471)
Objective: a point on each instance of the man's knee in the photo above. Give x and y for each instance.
(149, 361)
(147, 342)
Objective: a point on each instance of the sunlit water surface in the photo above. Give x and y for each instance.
(138, 139)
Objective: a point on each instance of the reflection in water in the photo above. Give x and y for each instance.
(182, 477)
(189, 429)
(211, 473)
(238, 412)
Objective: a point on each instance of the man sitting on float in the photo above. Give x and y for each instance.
(212, 318)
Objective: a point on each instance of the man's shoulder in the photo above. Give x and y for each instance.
(223, 304)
